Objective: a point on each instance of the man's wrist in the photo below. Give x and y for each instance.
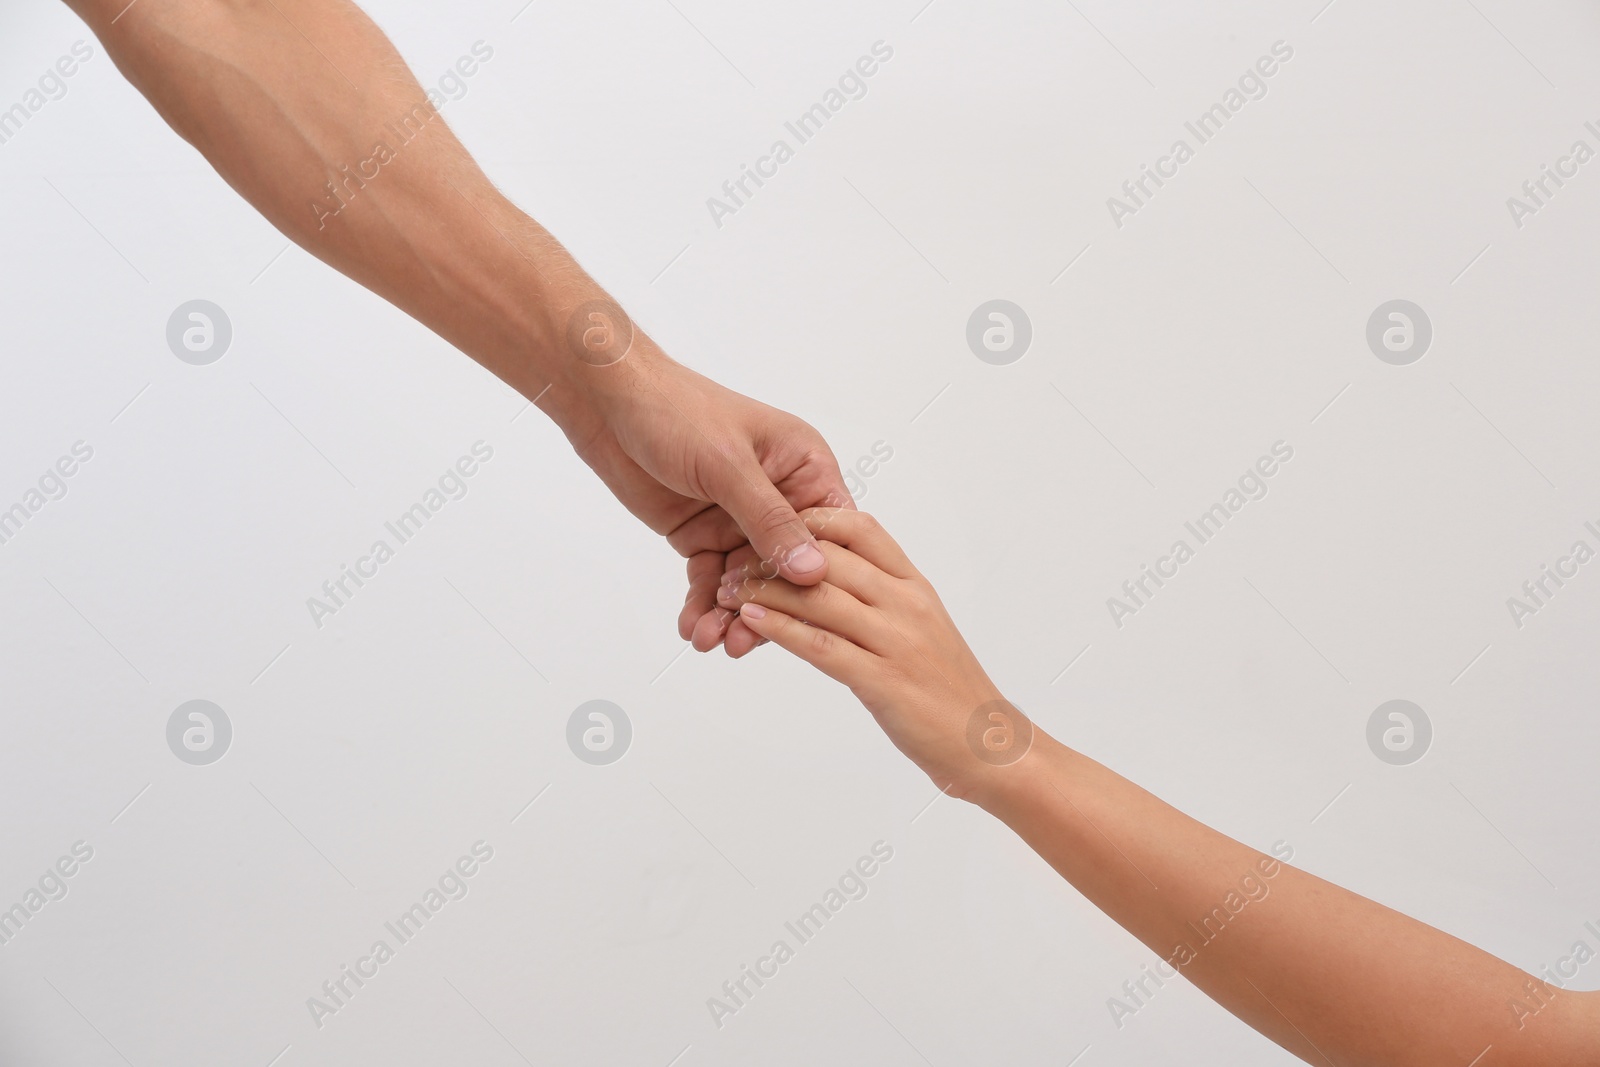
(591, 359)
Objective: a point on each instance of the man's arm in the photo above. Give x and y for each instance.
(290, 101)
(307, 110)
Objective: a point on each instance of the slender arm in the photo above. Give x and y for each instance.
(1333, 977)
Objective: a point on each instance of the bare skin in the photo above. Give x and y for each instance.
(1335, 978)
(307, 110)
(284, 97)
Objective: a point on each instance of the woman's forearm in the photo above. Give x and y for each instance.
(1331, 976)
(306, 109)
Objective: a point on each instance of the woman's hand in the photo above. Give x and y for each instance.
(877, 626)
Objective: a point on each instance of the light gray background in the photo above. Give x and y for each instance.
(1228, 314)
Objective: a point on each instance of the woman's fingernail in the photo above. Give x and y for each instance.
(752, 611)
(806, 559)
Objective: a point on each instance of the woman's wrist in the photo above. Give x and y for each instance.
(1013, 791)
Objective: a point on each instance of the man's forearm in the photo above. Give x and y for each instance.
(306, 109)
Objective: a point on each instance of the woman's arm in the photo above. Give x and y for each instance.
(307, 110)
(1335, 978)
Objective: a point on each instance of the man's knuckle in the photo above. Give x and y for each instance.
(774, 517)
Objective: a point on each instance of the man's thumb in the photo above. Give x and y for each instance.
(778, 535)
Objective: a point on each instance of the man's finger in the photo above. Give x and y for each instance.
(710, 529)
(710, 627)
(740, 640)
(768, 520)
(705, 574)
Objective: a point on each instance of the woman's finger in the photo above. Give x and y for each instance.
(861, 534)
(831, 654)
(825, 605)
(847, 570)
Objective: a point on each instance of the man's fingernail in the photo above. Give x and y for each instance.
(753, 611)
(806, 559)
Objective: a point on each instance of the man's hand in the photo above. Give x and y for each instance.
(720, 475)
(288, 99)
